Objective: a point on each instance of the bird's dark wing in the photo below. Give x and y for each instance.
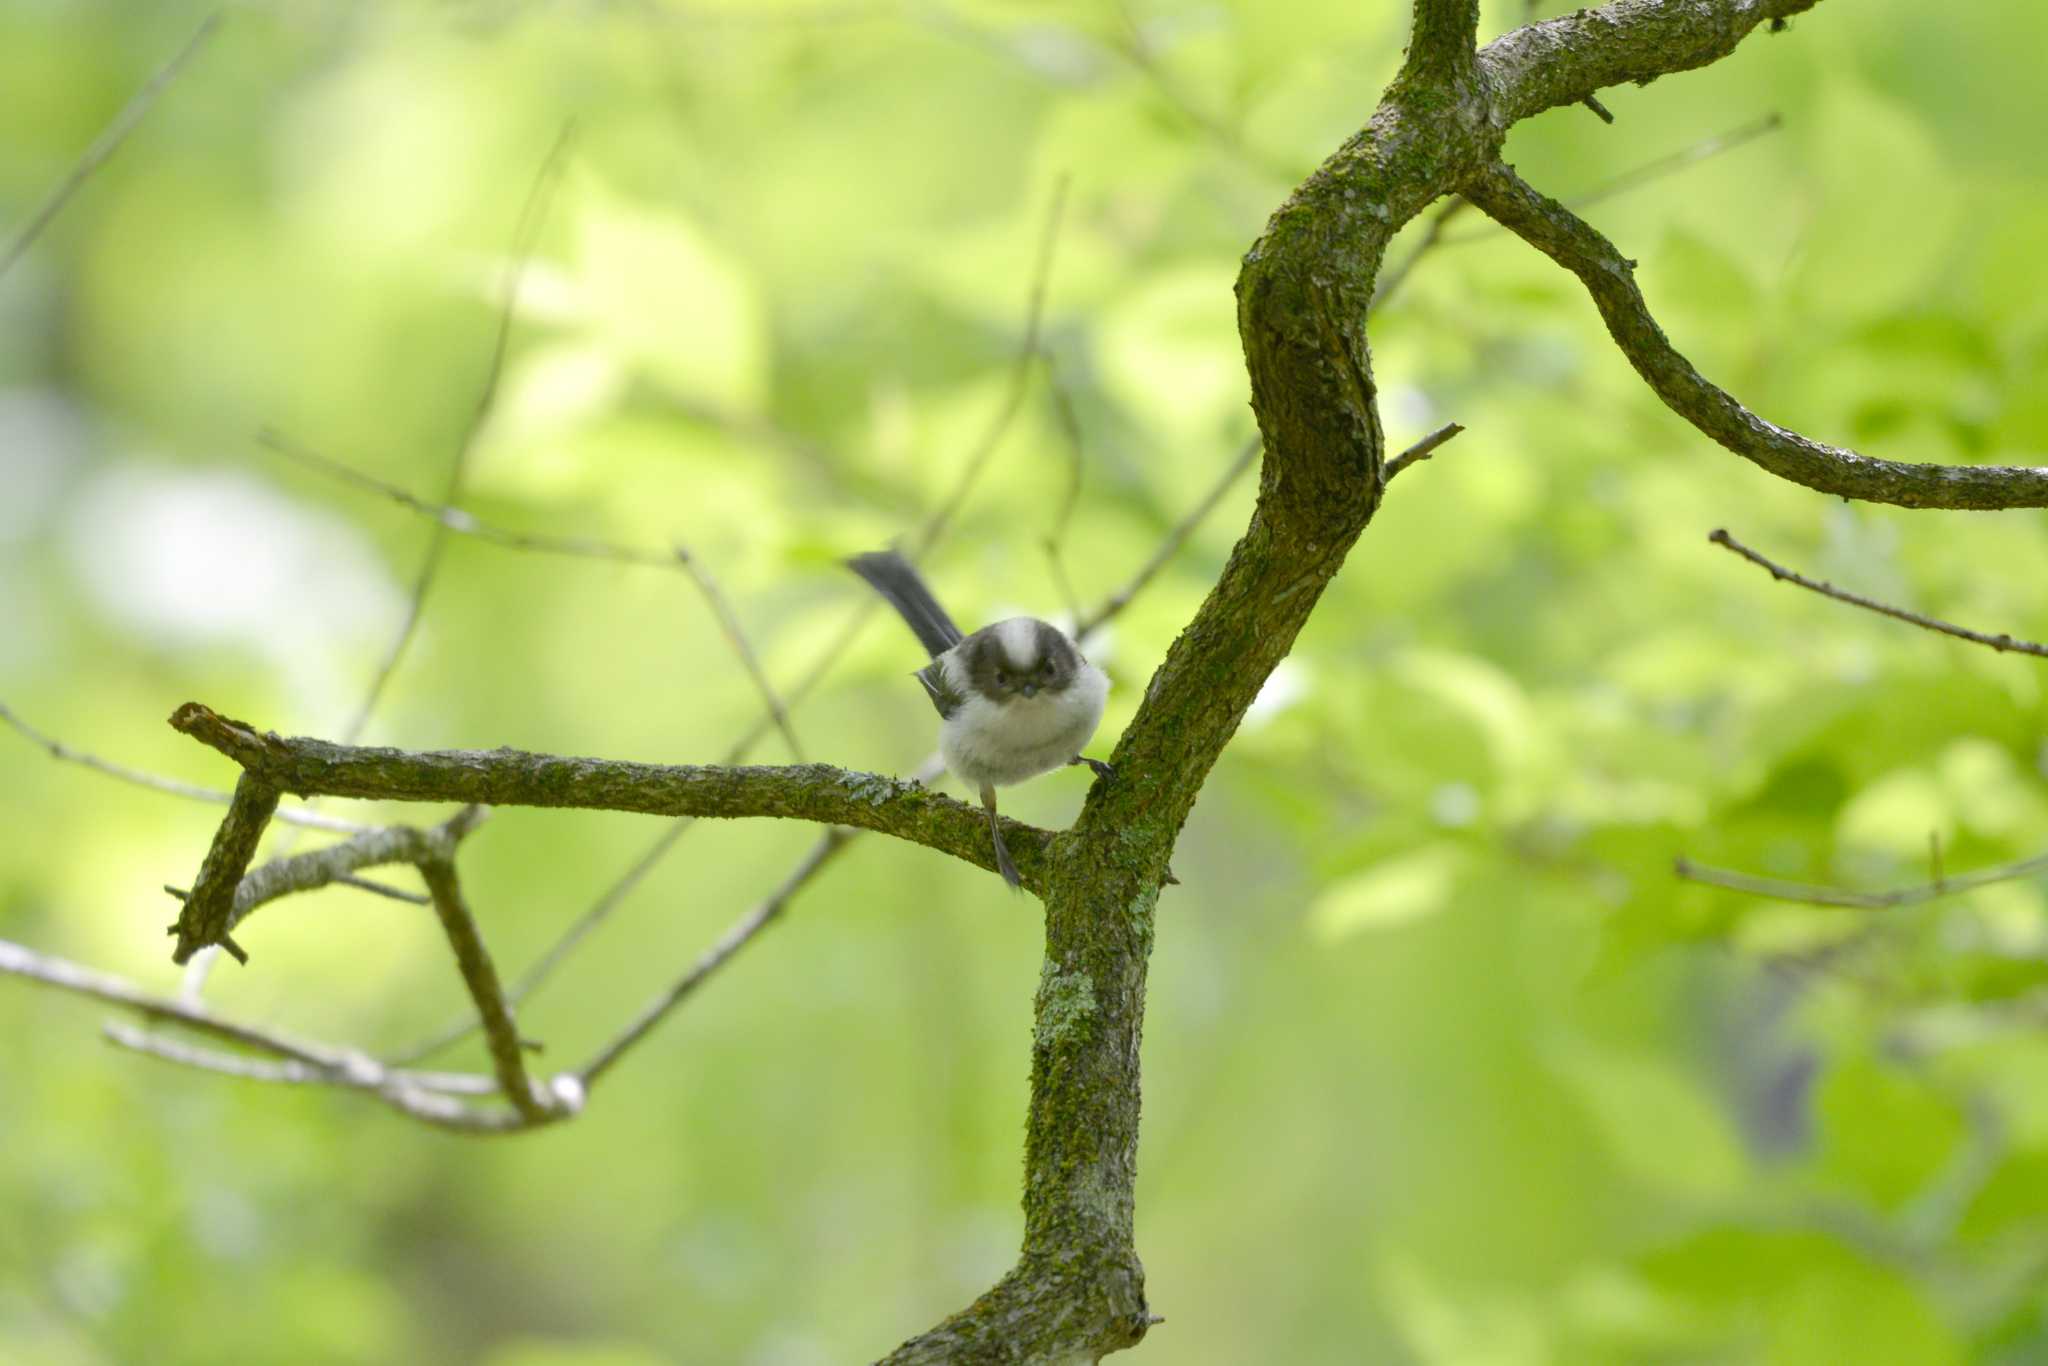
(943, 696)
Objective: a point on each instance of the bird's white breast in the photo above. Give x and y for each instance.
(1007, 742)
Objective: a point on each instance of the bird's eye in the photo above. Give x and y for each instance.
(1045, 669)
(1002, 678)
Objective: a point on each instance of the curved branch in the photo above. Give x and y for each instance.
(1610, 278)
(510, 777)
(1563, 61)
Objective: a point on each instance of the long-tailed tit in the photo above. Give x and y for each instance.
(1015, 699)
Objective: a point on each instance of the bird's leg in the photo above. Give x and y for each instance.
(1003, 864)
(1102, 770)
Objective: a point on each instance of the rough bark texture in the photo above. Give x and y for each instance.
(511, 777)
(211, 906)
(1077, 1291)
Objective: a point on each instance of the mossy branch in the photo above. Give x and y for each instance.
(1609, 277)
(511, 777)
(1565, 60)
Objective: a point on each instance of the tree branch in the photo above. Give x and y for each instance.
(1088, 624)
(508, 1057)
(1421, 450)
(1441, 43)
(1609, 277)
(736, 637)
(1777, 571)
(523, 238)
(1562, 61)
(1816, 895)
(509, 777)
(715, 957)
(210, 907)
(155, 782)
(107, 143)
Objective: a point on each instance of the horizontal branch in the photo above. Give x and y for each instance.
(1777, 571)
(338, 862)
(1564, 60)
(1609, 277)
(402, 1091)
(1812, 894)
(346, 1065)
(509, 777)
(365, 1074)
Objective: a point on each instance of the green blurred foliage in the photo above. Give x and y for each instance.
(1442, 1064)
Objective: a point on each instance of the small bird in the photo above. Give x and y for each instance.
(1015, 699)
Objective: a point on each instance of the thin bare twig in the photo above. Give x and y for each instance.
(1817, 895)
(728, 944)
(1435, 236)
(1055, 541)
(1653, 170)
(1028, 349)
(107, 143)
(462, 523)
(401, 1091)
(291, 1071)
(57, 749)
(1692, 155)
(465, 1024)
(361, 884)
(1176, 537)
(1134, 46)
(49, 970)
(928, 534)
(736, 637)
(1420, 451)
(524, 235)
(1432, 238)
(431, 1097)
(1777, 571)
(382, 847)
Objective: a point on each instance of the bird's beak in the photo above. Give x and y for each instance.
(1029, 690)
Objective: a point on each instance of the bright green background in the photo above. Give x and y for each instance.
(1441, 1066)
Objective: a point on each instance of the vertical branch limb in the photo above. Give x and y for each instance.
(481, 977)
(1445, 39)
(210, 909)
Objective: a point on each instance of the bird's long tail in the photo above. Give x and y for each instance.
(889, 574)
